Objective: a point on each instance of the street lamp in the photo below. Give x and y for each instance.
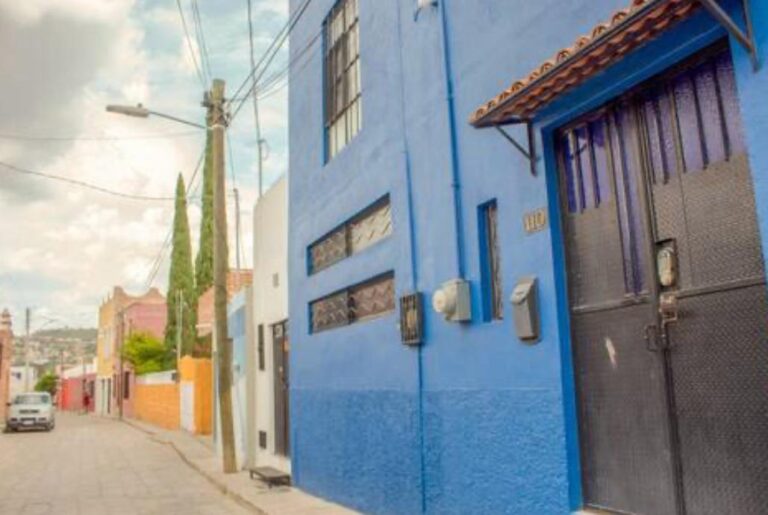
(139, 111)
(217, 120)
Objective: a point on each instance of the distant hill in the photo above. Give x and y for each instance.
(80, 333)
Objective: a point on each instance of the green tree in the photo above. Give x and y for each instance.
(181, 280)
(204, 259)
(147, 354)
(47, 383)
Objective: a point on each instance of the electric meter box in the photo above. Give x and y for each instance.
(525, 308)
(452, 300)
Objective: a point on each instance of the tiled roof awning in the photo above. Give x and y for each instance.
(607, 43)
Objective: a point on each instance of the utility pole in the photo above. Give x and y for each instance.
(237, 228)
(217, 122)
(254, 93)
(27, 320)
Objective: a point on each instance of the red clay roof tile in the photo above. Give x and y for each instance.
(608, 42)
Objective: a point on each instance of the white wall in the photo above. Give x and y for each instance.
(17, 379)
(270, 306)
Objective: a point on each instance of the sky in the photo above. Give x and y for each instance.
(63, 247)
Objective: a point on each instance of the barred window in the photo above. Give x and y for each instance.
(355, 235)
(343, 105)
(364, 301)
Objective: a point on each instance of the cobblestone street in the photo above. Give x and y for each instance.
(89, 465)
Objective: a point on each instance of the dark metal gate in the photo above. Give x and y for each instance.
(668, 302)
(280, 350)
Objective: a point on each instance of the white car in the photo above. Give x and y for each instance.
(31, 410)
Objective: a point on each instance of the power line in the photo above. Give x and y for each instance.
(189, 44)
(272, 50)
(158, 259)
(270, 58)
(200, 34)
(22, 137)
(259, 149)
(270, 85)
(83, 184)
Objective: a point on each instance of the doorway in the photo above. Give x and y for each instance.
(667, 298)
(281, 348)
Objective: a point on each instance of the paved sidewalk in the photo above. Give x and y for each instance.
(255, 494)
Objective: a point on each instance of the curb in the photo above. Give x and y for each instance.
(219, 485)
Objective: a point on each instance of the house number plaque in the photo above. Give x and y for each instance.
(535, 221)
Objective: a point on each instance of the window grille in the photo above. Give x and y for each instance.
(343, 105)
(411, 318)
(357, 234)
(493, 302)
(357, 303)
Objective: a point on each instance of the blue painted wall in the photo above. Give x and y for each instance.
(473, 421)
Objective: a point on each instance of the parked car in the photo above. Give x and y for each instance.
(31, 410)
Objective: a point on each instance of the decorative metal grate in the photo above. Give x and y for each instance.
(371, 299)
(357, 234)
(411, 318)
(328, 250)
(357, 303)
(371, 226)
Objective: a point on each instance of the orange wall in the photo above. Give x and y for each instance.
(200, 372)
(157, 404)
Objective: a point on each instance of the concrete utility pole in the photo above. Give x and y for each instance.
(27, 321)
(237, 228)
(217, 123)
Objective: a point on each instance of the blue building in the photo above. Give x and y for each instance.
(534, 298)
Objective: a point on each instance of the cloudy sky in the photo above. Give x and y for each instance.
(63, 247)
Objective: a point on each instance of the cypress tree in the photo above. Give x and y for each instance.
(204, 260)
(181, 279)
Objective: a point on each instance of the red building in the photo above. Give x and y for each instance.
(75, 383)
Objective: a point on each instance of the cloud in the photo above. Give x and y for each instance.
(64, 247)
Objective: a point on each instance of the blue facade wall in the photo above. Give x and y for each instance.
(473, 421)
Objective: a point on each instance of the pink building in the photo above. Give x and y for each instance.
(120, 316)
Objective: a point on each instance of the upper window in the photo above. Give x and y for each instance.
(343, 105)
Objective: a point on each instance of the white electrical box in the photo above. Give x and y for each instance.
(452, 300)
(423, 4)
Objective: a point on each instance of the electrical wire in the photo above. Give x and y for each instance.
(271, 51)
(189, 193)
(200, 34)
(83, 184)
(189, 44)
(20, 137)
(270, 85)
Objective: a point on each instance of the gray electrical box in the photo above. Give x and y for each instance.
(525, 307)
